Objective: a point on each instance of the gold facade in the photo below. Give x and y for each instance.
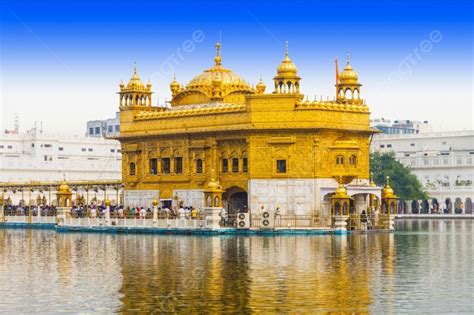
(219, 117)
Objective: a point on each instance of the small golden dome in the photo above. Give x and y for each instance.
(287, 67)
(154, 202)
(348, 75)
(107, 202)
(174, 83)
(212, 184)
(387, 190)
(64, 187)
(135, 82)
(341, 191)
(260, 87)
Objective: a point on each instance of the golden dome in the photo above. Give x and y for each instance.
(174, 83)
(212, 184)
(388, 191)
(260, 87)
(229, 80)
(341, 191)
(107, 202)
(155, 202)
(348, 75)
(64, 187)
(135, 82)
(287, 67)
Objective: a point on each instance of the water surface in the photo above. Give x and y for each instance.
(427, 266)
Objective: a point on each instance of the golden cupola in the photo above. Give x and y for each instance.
(174, 86)
(135, 83)
(387, 191)
(260, 87)
(214, 84)
(348, 86)
(287, 80)
(135, 93)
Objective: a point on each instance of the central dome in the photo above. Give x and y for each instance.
(228, 78)
(216, 84)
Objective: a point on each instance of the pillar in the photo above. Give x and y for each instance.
(408, 206)
(2, 206)
(107, 212)
(155, 212)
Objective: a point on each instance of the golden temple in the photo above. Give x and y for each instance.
(265, 149)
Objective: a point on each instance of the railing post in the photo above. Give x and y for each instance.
(2, 204)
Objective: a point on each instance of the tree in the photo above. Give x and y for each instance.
(403, 182)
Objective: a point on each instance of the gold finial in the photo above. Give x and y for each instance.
(388, 180)
(348, 57)
(286, 48)
(218, 58)
(340, 179)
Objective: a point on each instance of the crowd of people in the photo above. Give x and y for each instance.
(119, 211)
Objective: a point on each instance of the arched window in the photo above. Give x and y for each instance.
(132, 169)
(352, 160)
(339, 160)
(199, 166)
(337, 208)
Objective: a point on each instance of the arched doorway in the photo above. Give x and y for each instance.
(236, 200)
(468, 205)
(448, 205)
(458, 206)
(425, 206)
(435, 204)
(415, 208)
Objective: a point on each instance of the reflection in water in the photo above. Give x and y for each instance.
(427, 266)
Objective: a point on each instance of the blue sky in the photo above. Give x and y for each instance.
(62, 63)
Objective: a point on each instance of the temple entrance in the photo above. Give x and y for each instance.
(238, 203)
(235, 200)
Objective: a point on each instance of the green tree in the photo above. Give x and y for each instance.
(403, 182)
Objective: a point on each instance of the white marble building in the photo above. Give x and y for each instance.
(35, 156)
(442, 161)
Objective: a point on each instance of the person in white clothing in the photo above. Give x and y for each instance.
(182, 213)
(93, 213)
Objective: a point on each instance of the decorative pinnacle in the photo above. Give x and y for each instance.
(286, 48)
(348, 57)
(340, 179)
(388, 180)
(218, 58)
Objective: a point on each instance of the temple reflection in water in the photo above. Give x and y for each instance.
(253, 273)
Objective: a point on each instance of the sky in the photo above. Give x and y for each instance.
(62, 61)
